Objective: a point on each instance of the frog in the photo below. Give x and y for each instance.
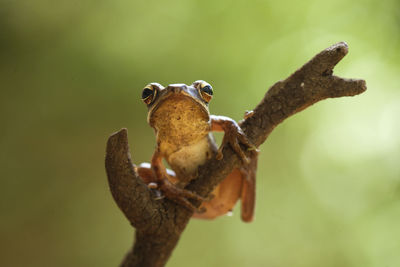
(183, 125)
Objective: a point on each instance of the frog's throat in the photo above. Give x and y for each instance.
(171, 96)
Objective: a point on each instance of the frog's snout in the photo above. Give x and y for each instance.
(177, 88)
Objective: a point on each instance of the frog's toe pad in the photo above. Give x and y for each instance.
(152, 185)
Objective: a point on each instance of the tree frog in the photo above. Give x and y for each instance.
(182, 122)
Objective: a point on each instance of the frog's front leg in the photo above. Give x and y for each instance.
(170, 190)
(233, 135)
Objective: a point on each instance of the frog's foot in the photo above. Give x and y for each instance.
(180, 196)
(234, 135)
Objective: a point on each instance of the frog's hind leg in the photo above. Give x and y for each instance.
(225, 196)
(159, 179)
(240, 183)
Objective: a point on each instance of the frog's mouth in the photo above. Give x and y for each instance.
(178, 107)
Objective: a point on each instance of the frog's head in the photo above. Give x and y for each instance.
(177, 101)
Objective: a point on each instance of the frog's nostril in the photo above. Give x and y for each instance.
(177, 89)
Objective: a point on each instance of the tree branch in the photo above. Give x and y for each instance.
(159, 223)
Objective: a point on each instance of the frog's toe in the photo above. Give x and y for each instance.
(179, 195)
(201, 210)
(245, 141)
(210, 197)
(158, 195)
(152, 185)
(191, 195)
(233, 140)
(220, 155)
(240, 152)
(185, 203)
(253, 148)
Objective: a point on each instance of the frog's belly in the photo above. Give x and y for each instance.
(186, 160)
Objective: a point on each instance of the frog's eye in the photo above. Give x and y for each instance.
(149, 93)
(205, 91)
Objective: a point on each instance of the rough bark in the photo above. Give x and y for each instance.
(159, 223)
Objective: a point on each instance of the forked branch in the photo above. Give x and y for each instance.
(159, 223)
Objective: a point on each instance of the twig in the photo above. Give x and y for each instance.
(159, 223)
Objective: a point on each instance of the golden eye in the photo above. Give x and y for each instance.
(206, 91)
(149, 93)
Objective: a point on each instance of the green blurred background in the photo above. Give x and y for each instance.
(71, 73)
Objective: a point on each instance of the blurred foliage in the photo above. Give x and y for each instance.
(71, 73)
